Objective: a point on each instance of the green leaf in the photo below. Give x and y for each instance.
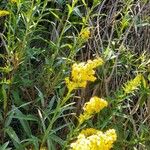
(5, 81)
(83, 1)
(2, 56)
(6, 69)
(51, 103)
(4, 146)
(24, 121)
(41, 96)
(8, 119)
(143, 99)
(70, 9)
(57, 139)
(26, 117)
(67, 28)
(17, 99)
(109, 54)
(32, 141)
(4, 93)
(77, 12)
(66, 45)
(12, 134)
(96, 2)
(55, 15)
(61, 2)
(149, 77)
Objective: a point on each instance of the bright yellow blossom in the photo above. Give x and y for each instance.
(111, 137)
(95, 105)
(72, 85)
(88, 131)
(85, 34)
(83, 117)
(13, 1)
(82, 72)
(83, 37)
(4, 13)
(132, 85)
(91, 139)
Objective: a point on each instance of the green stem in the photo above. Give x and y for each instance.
(63, 29)
(55, 116)
(71, 134)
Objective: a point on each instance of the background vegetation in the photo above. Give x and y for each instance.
(40, 40)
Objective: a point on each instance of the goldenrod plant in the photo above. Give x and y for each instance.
(4, 13)
(81, 73)
(92, 139)
(132, 85)
(95, 105)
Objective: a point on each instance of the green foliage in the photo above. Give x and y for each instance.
(39, 42)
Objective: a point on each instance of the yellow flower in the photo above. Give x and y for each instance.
(92, 139)
(89, 131)
(83, 37)
(95, 63)
(85, 33)
(84, 117)
(72, 85)
(83, 72)
(111, 137)
(132, 85)
(4, 13)
(95, 105)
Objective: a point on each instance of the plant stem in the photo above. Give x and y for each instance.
(55, 116)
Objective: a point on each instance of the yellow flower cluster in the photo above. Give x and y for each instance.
(95, 105)
(132, 85)
(85, 34)
(4, 13)
(82, 72)
(89, 131)
(91, 139)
